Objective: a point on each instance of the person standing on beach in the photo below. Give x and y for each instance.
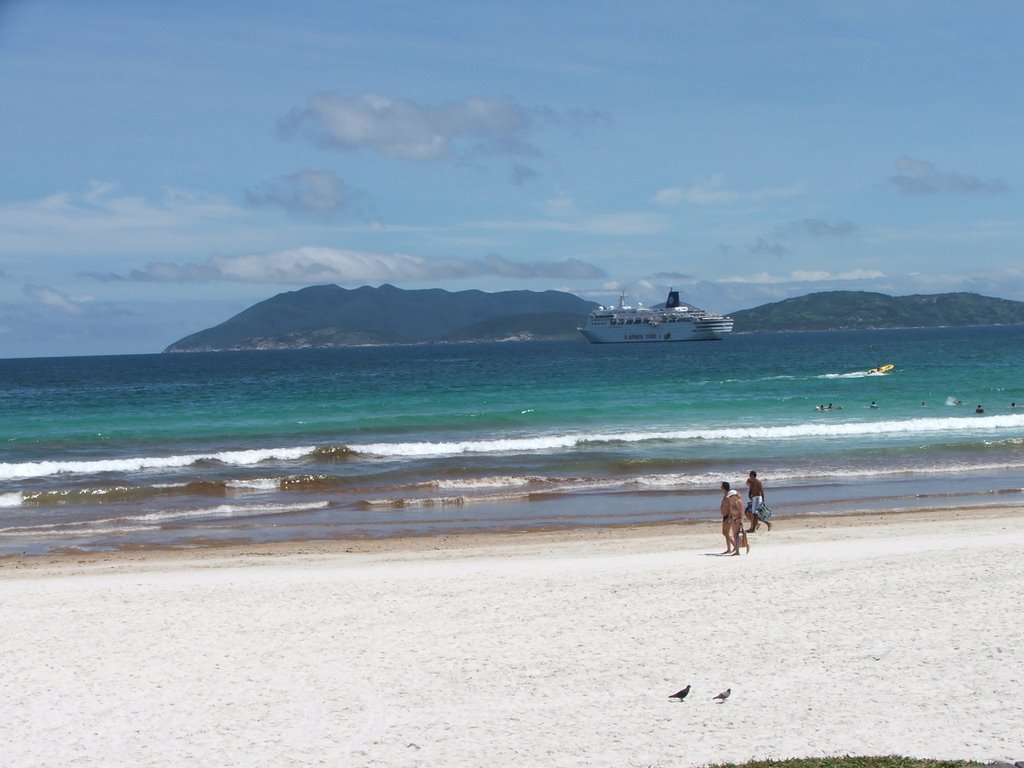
(732, 520)
(755, 492)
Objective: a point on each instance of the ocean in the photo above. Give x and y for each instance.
(187, 450)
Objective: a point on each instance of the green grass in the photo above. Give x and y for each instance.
(890, 761)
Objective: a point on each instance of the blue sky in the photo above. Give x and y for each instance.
(167, 165)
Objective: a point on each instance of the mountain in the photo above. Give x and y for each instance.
(833, 310)
(330, 316)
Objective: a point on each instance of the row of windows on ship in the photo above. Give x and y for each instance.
(642, 321)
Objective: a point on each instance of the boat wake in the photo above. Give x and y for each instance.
(851, 375)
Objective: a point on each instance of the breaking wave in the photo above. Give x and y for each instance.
(525, 444)
(534, 444)
(25, 470)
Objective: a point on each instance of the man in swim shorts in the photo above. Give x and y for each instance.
(755, 492)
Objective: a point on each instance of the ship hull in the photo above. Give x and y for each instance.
(634, 335)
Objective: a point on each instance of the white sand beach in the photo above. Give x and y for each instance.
(883, 634)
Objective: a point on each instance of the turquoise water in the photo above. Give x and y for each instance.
(104, 452)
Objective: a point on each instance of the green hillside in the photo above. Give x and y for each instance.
(330, 316)
(832, 310)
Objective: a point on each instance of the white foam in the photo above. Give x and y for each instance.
(229, 510)
(12, 499)
(42, 531)
(482, 482)
(854, 375)
(257, 484)
(857, 428)
(780, 475)
(541, 443)
(137, 464)
(532, 444)
(148, 520)
(507, 445)
(424, 501)
(255, 456)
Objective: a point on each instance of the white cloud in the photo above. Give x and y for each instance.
(412, 131)
(49, 297)
(710, 190)
(73, 223)
(804, 276)
(715, 190)
(309, 264)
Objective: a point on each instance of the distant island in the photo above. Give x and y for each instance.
(329, 316)
(848, 310)
(325, 316)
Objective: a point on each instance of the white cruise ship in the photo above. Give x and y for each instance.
(673, 322)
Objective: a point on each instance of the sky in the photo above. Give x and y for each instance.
(166, 165)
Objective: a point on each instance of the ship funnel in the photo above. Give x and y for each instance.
(673, 300)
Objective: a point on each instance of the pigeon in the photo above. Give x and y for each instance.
(680, 694)
(724, 695)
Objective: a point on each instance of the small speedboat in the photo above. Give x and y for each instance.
(881, 369)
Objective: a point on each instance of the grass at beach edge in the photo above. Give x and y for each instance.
(889, 761)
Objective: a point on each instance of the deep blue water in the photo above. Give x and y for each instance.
(101, 452)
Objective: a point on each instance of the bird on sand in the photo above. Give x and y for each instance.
(724, 695)
(680, 694)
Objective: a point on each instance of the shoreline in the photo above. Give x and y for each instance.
(656, 536)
